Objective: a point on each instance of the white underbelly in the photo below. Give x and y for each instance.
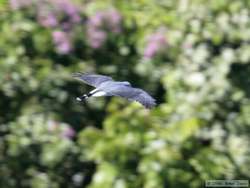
(99, 94)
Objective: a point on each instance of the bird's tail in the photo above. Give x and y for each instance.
(83, 97)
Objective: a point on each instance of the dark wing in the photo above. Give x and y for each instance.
(92, 79)
(133, 94)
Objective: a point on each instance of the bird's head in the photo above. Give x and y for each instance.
(126, 83)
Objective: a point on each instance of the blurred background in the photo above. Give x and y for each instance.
(193, 56)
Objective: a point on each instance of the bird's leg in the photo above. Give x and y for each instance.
(85, 96)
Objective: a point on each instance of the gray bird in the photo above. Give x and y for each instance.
(106, 86)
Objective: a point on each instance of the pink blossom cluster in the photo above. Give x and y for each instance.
(100, 25)
(52, 13)
(62, 42)
(156, 43)
(61, 15)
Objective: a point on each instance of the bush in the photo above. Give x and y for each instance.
(192, 56)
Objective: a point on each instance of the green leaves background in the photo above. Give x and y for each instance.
(198, 131)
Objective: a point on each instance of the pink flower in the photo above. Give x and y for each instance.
(151, 50)
(100, 24)
(62, 42)
(96, 20)
(114, 20)
(69, 9)
(53, 13)
(68, 132)
(156, 43)
(48, 20)
(96, 38)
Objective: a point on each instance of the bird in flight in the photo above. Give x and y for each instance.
(106, 86)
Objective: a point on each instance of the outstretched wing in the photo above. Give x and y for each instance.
(133, 94)
(91, 79)
(144, 98)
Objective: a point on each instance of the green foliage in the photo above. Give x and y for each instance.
(199, 76)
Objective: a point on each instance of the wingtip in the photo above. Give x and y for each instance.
(76, 74)
(79, 74)
(152, 105)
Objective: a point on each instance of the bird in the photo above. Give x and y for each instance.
(106, 86)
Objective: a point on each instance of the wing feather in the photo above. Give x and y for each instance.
(145, 99)
(91, 79)
(133, 94)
